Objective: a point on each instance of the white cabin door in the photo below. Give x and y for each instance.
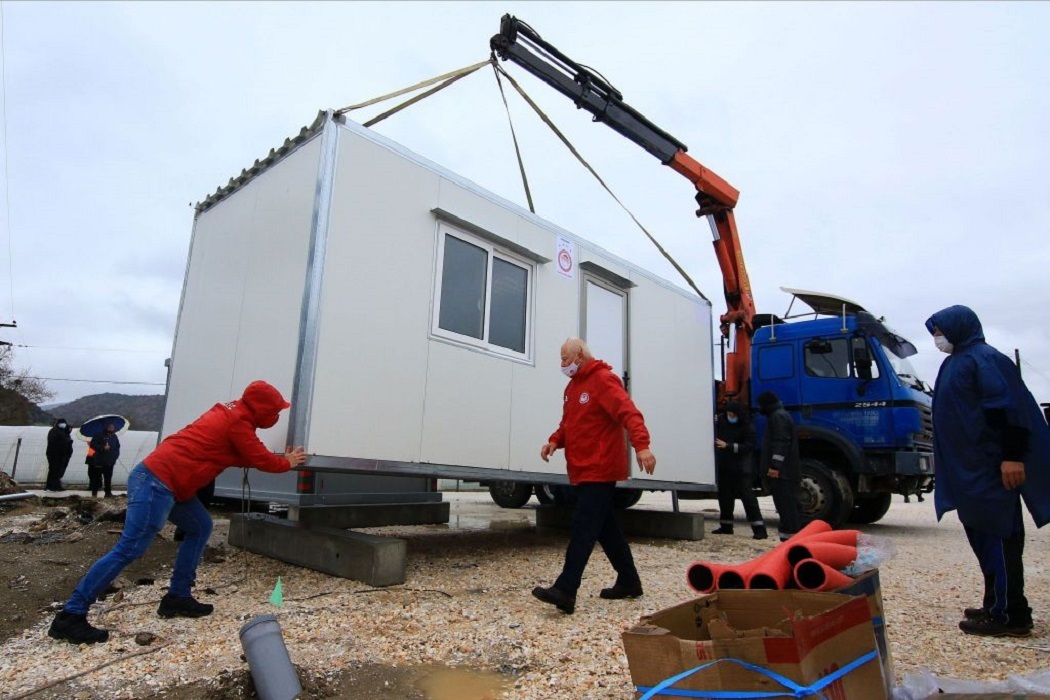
(605, 323)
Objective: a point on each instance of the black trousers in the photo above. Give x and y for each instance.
(593, 520)
(56, 469)
(1002, 564)
(785, 498)
(734, 483)
(97, 476)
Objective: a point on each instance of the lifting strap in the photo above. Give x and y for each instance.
(448, 79)
(572, 149)
(521, 164)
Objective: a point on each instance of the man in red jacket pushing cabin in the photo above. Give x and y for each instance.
(164, 487)
(595, 414)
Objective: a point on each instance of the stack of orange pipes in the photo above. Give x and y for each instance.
(811, 559)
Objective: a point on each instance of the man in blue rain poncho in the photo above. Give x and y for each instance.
(991, 449)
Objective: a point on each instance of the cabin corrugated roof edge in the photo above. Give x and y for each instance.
(261, 165)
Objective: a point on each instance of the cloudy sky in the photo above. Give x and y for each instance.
(897, 154)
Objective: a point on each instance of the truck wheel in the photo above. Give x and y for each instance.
(870, 508)
(824, 494)
(545, 494)
(625, 498)
(510, 494)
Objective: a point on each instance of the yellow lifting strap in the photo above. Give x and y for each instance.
(572, 149)
(448, 79)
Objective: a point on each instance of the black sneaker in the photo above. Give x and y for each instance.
(173, 606)
(75, 629)
(987, 627)
(759, 533)
(975, 613)
(618, 591)
(722, 530)
(562, 601)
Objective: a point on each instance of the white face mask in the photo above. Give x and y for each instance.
(942, 344)
(570, 369)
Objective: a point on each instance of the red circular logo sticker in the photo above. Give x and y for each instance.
(564, 260)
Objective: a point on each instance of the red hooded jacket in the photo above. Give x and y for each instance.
(223, 437)
(595, 414)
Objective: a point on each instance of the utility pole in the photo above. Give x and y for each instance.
(1017, 359)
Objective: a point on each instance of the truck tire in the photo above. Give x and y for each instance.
(545, 494)
(824, 494)
(870, 508)
(510, 494)
(625, 498)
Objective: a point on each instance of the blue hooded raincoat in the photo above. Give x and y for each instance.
(974, 380)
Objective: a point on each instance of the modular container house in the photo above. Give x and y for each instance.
(414, 319)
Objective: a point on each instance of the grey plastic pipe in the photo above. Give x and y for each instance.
(271, 667)
(16, 496)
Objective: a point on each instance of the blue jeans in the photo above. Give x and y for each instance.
(150, 504)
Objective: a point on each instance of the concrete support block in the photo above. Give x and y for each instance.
(639, 523)
(377, 561)
(371, 515)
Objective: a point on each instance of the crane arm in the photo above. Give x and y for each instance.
(519, 43)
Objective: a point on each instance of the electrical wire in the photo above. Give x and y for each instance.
(65, 347)
(95, 381)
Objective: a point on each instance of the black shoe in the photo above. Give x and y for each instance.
(179, 535)
(975, 613)
(618, 591)
(562, 601)
(109, 494)
(987, 627)
(172, 606)
(760, 534)
(722, 530)
(75, 629)
(94, 494)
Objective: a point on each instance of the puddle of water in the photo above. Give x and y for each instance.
(463, 684)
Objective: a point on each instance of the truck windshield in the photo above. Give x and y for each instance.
(904, 370)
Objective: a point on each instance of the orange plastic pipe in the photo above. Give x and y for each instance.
(703, 575)
(848, 537)
(772, 572)
(837, 556)
(812, 575)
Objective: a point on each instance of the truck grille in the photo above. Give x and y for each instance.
(926, 436)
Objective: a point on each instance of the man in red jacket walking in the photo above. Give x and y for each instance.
(595, 414)
(163, 487)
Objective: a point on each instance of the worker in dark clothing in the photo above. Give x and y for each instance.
(59, 450)
(107, 452)
(735, 443)
(780, 462)
(991, 445)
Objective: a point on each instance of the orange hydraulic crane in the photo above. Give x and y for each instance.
(519, 43)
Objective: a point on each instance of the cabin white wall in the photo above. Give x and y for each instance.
(242, 299)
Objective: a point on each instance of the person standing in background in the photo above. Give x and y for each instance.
(107, 451)
(735, 442)
(59, 450)
(780, 462)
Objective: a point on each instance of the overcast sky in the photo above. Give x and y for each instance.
(893, 153)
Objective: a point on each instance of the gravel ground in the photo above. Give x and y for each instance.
(466, 603)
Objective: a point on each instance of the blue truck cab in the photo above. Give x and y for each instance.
(863, 416)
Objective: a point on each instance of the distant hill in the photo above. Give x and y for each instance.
(16, 409)
(144, 412)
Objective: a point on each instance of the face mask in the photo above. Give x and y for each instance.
(942, 344)
(570, 370)
(732, 419)
(62, 425)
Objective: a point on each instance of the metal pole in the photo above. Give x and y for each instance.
(1017, 359)
(16, 496)
(14, 465)
(674, 501)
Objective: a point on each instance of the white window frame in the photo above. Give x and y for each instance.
(493, 251)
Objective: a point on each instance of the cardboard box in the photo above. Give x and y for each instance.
(799, 635)
(867, 585)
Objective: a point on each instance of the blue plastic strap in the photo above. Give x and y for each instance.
(796, 691)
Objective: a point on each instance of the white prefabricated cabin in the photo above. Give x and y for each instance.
(415, 319)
